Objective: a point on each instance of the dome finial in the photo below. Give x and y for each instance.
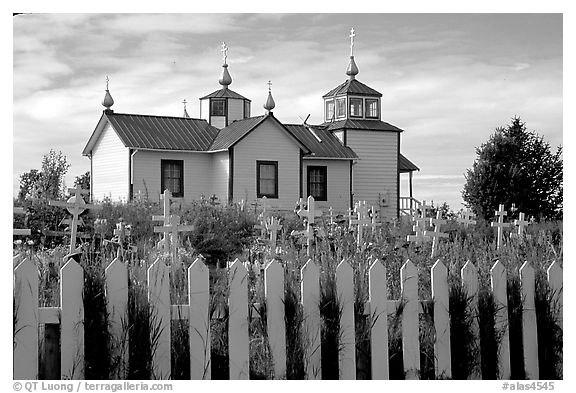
(352, 70)
(108, 101)
(226, 79)
(270, 104)
(186, 115)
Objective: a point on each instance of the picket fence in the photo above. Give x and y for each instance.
(70, 315)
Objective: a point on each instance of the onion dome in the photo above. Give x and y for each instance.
(108, 101)
(270, 104)
(352, 70)
(226, 79)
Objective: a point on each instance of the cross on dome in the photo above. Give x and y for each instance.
(352, 35)
(224, 51)
(108, 101)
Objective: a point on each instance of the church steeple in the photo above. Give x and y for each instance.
(226, 79)
(270, 104)
(108, 101)
(352, 70)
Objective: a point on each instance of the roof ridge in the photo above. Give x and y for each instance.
(163, 116)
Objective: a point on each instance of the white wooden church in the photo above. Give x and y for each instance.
(353, 155)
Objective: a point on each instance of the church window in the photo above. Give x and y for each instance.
(246, 109)
(318, 182)
(371, 108)
(355, 107)
(218, 108)
(329, 110)
(341, 107)
(267, 179)
(172, 178)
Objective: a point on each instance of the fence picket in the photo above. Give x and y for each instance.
(274, 293)
(345, 295)
(117, 308)
(442, 353)
(26, 321)
(310, 290)
(378, 296)
(238, 339)
(199, 320)
(160, 319)
(498, 280)
(554, 274)
(410, 321)
(529, 328)
(72, 321)
(469, 275)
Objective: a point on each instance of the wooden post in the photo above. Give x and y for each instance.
(500, 224)
(361, 221)
(199, 320)
(410, 321)
(554, 274)
(165, 218)
(442, 350)
(238, 340)
(173, 227)
(310, 289)
(345, 295)
(529, 325)
(25, 352)
(498, 280)
(379, 316)
(274, 293)
(116, 292)
(160, 317)
(469, 275)
(310, 214)
(72, 321)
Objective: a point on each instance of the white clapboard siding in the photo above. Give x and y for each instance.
(199, 320)
(72, 321)
(160, 319)
(218, 121)
(377, 169)
(338, 182)
(268, 142)
(345, 295)
(379, 316)
(274, 292)
(235, 109)
(117, 307)
(529, 328)
(146, 175)
(238, 340)
(469, 275)
(110, 167)
(555, 274)
(442, 352)
(26, 321)
(410, 322)
(204, 109)
(498, 280)
(310, 290)
(220, 172)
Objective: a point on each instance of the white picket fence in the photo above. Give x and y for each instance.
(70, 316)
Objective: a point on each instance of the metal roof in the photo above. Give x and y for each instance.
(405, 165)
(330, 147)
(225, 93)
(353, 86)
(232, 133)
(162, 132)
(351, 124)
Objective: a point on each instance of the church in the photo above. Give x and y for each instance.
(232, 155)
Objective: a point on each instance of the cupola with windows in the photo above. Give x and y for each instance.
(224, 106)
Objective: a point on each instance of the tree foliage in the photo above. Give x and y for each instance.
(516, 166)
(48, 183)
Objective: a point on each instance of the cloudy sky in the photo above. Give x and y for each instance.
(448, 80)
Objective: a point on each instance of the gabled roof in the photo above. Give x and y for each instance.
(405, 165)
(225, 93)
(353, 86)
(156, 132)
(351, 124)
(330, 147)
(235, 131)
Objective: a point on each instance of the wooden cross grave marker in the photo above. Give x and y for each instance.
(419, 226)
(121, 232)
(173, 228)
(361, 221)
(373, 214)
(521, 224)
(165, 218)
(266, 208)
(436, 235)
(273, 226)
(309, 214)
(500, 224)
(75, 206)
(467, 218)
(20, 232)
